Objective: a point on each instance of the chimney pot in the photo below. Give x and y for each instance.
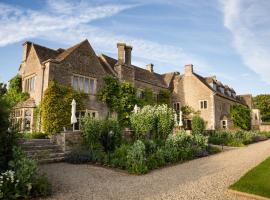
(150, 67)
(128, 50)
(121, 53)
(188, 69)
(26, 48)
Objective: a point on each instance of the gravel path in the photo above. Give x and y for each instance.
(205, 178)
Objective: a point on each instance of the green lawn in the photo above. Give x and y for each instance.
(256, 181)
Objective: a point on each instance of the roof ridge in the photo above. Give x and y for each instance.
(35, 44)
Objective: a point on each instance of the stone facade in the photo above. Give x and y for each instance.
(80, 68)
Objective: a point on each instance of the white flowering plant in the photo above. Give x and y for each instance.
(9, 185)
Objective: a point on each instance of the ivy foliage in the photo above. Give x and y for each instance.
(148, 98)
(198, 125)
(164, 97)
(14, 92)
(262, 102)
(241, 116)
(119, 97)
(56, 107)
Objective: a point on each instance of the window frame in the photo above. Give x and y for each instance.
(82, 88)
(224, 126)
(30, 83)
(203, 104)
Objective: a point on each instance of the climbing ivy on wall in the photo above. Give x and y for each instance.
(56, 107)
(119, 97)
(241, 116)
(164, 97)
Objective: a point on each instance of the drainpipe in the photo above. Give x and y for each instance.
(214, 111)
(41, 97)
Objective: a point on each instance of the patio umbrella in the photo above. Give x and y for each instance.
(73, 113)
(180, 119)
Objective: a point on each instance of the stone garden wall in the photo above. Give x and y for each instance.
(68, 140)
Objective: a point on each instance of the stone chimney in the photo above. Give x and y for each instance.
(189, 69)
(121, 53)
(150, 67)
(128, 50)
(26, 48)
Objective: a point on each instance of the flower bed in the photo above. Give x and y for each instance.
(152, 145)
(237, 138)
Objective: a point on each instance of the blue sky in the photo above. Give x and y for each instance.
(226, 38)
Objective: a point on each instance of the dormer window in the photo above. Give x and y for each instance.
(221, 90)
(233, 94)
(229, 93)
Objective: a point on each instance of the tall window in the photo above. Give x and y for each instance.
(30, 84)
(140, 94)
(176, 106)
(203, 104)
(84, 84)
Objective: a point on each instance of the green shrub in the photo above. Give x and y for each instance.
(165, 121)
(79, 157)
(102, 134)
(119, 156)
(35, 135)
(8, 139)
(41, 187)
(143, 122)
(136, 160)
(22, 181)
(197, 124)
(156, 159)
(156, 122)
(183, 146)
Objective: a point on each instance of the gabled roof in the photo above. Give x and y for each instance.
(68, 51)
(140, 73)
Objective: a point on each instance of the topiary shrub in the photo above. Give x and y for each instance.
(136, 160)
(198, 125)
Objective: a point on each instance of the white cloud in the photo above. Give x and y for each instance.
(249, 22)
(69, 22)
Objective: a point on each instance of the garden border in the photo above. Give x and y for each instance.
(247, 195)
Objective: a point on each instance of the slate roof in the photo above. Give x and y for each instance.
(206, 81)
(45, 53)
(140, 73)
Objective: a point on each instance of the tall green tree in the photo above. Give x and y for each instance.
(262, 102)
(3, 89)
(14, 92)
(241, 116)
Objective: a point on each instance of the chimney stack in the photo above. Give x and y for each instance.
(26, 48)
(121, 53)
(128, 50)
(189, 69)
(150, 67)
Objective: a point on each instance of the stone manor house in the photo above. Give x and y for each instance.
(80, 67)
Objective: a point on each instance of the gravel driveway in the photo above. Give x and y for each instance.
(205, 178)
